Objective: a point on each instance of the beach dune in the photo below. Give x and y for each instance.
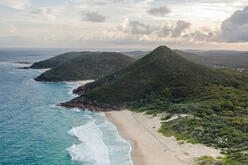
(149, 146)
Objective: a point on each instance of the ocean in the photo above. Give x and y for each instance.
(35, 131)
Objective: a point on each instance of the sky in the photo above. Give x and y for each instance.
(124, 24)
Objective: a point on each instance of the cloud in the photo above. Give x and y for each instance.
(167, 30)
(16, 4)
(180, 27)
(12, 29)
(101, 2)
(157, 32)
(45, 10)
(159, 12)
(16, 40)
(109, 2)
(135, 27)
(48, 12)
(93, 17)
(235, 28)
(198, 35)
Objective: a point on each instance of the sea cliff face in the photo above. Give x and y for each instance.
(86, 104)
(90, 105)
(80, 90)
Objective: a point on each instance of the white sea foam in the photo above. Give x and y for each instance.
(71, 86)
(54, 106)
(75, 110)
(92, 148)
(107, 123)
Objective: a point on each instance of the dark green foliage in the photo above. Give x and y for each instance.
(136, 54)
(87, 66)
(206, 160)
(57, 60)
(232, 60)
(162, 73)
(221, 59)
(221, 123)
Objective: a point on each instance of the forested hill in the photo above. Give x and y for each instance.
(84, 66)
(162, 70)
(57, 60)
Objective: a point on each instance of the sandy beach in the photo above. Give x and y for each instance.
(83, 82)
(149, 146)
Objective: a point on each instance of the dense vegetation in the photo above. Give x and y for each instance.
(221, 59)
(237, 60)
(57, 60)
(216, 100)
(162, 72)
(220, 120)
(87, 66)
(136, 54)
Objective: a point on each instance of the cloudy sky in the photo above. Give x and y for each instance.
(131, 24)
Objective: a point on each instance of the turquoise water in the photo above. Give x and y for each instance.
(34, 131)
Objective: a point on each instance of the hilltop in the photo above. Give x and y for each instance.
(214, 101)
(57, 60)
(235, 60)
(136, 54)
(161, 70)
(87, 65)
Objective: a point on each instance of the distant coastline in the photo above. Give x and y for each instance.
(24, 62)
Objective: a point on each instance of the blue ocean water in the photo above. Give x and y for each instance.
(34, 131)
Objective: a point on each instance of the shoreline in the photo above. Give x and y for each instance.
(82, 82)
(147, 145)
(151, 147)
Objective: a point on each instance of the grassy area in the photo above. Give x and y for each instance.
(221, 121)
(206, 160)
(57, 60)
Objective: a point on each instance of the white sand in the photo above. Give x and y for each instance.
(46, 69)
(83, 82)
(176, 116)
(149, 146)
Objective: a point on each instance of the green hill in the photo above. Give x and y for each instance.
(163, 81)
(136, 54)
(193, 57)
(90, 65)
(161, 70)
(57, 60)
(228, 59)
